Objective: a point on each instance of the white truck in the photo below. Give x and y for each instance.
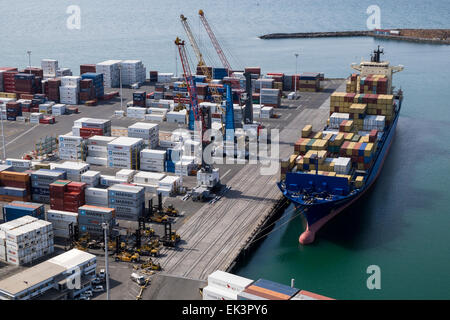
(140, 280)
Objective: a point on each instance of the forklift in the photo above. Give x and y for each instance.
(156, 214)
(171, 238)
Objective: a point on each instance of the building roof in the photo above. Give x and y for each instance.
(30, 277)
(72, 258)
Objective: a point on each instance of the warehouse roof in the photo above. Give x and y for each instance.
(30, 277)
(72, 258)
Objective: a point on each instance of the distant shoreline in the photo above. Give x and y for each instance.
(437, 36)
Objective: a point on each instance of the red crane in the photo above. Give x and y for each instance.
(214, 41)
(198, 114)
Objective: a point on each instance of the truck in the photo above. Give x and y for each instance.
(140, 280)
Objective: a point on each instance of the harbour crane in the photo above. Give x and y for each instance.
(207, 177)
(217, 97)
(214, 41)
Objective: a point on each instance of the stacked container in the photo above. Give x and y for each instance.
(13, 110)
(19, 165)
(139, 99)
(70, 89)
(89, 127)
(164, 77)
(96, 197)
(97, 82)
(73, 170)
(61, 221)
(149, 132)
(91, 178)
(63, 72)
(224, 286)
(49, 66)
(309, 82)
(57, 190)
(169, 185)
(9, 83)
(111, 72)
(18, 209)
(40, 183)
(127, 200)
(71, 147)
(148, 180)
(124, 152)
(271, 97)
(97, 150)
(90, 219)
(153, 160)
(29, 242)
(84, 68)
(136, 112)
(133, 71)
(53, 89)
(14, 186)
(267, 290)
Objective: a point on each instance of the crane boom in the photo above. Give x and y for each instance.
(214, 41)
(198, 115)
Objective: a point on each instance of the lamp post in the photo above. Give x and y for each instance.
(105, 228)
(29, 60)
(120, 80)
(295, 81)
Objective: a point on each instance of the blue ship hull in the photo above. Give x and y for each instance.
(319, 211)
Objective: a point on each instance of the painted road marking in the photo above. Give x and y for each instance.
(225, 174)
(21, 135)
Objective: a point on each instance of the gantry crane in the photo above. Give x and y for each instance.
(207, 177)
(214, 41)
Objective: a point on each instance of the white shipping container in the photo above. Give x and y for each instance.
(214, 293)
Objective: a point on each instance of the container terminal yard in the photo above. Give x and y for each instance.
(96, 166)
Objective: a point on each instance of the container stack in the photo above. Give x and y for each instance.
(136, 112)
(97, 197)
(126, 174)
(266, 112)
(219, 73)
(153, 160)
(13, 110)
(224, 286)
(15, 186)
(73, 170)
(352, 83)
(111, 73)
(18, 209)
(53, 89)
(88, 127)
(49, 66)
(58, 109)
(169, 185)
(85, 68)
(164, 77)
(153, 76)
(57, 190)
(376, 84)
(61, 221)
(29, 242)
(69, 89)
(71, 195)
(9, 83)
(127, 200)
(63, 72)
(309, 82)
(124, 152)
(149, 132)
(108, 181)
(40, 183)
(271, 97)
(133, 71)
(267, 290)
(361, 153)
(139, 99)
(90, 219)
(71, 147)
(87, 92)
(148, 180)
(97, 83)
(26, 83)
(8, 226)
(97, 150)
(177, 117)
(91, 178)
(372, 122)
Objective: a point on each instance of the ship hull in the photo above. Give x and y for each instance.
(318, 214)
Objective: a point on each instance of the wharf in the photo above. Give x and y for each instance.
(216, 234)
(434, 36)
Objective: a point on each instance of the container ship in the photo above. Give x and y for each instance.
(333, 168)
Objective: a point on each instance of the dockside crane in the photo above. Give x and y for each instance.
(214, 41)
(217, 97)
(207, 177)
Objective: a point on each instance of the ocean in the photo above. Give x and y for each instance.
(401, 225)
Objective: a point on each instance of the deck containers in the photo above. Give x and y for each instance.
(133, 71)
(97, 152)
(224, 286)
(153, 160)
(49, 67)
(267, 290)
(15, 186)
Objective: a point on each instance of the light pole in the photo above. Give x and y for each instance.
(120, 80)
(295, 81)
(105, 228)
(29, 59)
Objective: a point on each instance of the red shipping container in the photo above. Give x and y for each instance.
(76, 186)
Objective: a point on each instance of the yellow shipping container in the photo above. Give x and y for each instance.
(369, 150)
(359, 181)
(306, 131)
(364, 139)
(318, 135)
(8, 95)
(358, 108)
(348, 136)
(344, 176)
(320, 144)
